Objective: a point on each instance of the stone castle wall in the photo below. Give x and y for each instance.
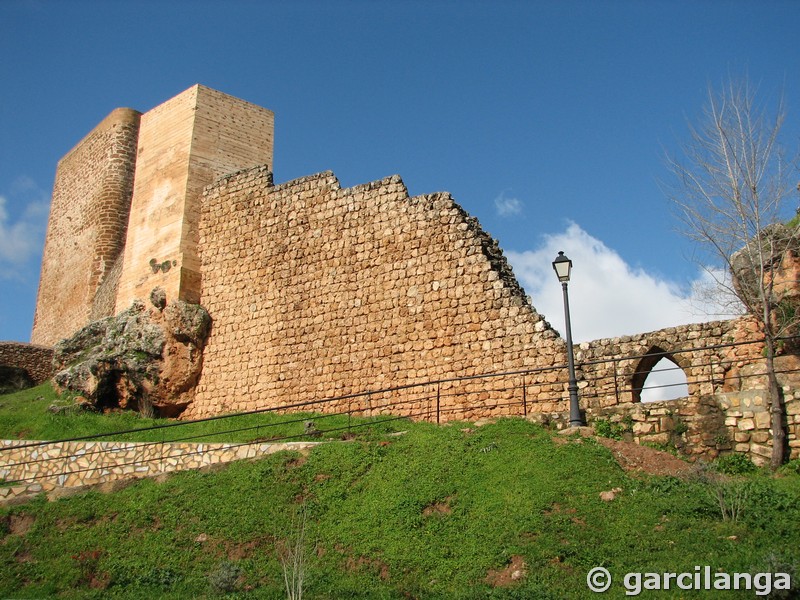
(86, 231)
(726, 408)
(184, 145)
(317, 291)
(36, 361)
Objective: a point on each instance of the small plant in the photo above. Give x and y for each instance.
(224, 578)
(680, 427)
(728, 494)
(731, 497)
(791, 468)
(735, 464)
(722, 439)
(614, 431)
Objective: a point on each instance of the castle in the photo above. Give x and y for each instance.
(318, 291)
(125, 207)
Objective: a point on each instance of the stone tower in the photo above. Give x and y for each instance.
(184, 145)
(86, 231)
(126, 205)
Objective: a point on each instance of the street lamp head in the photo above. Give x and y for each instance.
(562, 266)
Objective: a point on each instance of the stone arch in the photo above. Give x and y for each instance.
(647, 363)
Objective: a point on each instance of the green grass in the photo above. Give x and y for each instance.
(24, 415)
(428, 514)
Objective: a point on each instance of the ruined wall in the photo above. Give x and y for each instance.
(37, 361)
(317, 291)
(617, 367)
(727, 407)
(87, 225)
(184, 144)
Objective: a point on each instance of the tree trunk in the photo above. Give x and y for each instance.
(776, 408)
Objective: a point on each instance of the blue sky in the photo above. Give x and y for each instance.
(546, 120)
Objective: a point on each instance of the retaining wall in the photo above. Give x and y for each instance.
(54, 466)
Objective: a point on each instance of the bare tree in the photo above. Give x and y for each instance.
(293, 556)
(733, 183)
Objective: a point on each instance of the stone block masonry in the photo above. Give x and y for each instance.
(36, 361)
(184, 145)
(317, 291)
(44, 467)
(125, 207)
(87, 227)
(321, 292)
(726, 408)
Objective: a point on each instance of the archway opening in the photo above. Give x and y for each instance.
(659, 377)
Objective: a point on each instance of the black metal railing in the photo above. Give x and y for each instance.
(508, 393)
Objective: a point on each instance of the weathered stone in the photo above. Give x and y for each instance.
(610, 495)
(762, 420)
(158, 297)
(144, 360)
(760, 450)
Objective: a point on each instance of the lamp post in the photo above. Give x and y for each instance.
(563, 267)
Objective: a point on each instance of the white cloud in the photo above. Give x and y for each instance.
(507, 207)
(608, 297)
(666, 381)
(21, 238)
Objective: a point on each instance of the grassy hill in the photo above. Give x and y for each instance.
(506, 510)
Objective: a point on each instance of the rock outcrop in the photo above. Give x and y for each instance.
(145, 358)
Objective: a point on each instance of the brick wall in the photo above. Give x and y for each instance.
(319, 291)
(37, 361)
(87, 226)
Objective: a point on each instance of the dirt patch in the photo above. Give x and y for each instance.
(241, 550)
(557, 509)
(372, 565)
(297, 462)
(635, 458)
(513, 572)
(23, 556)
(438, 508)
(355, 564)
(234, 551)
(19, 524)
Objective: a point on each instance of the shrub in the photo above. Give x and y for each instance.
(735, 464)
(607, 429)
(791, 468)
(224, 578)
